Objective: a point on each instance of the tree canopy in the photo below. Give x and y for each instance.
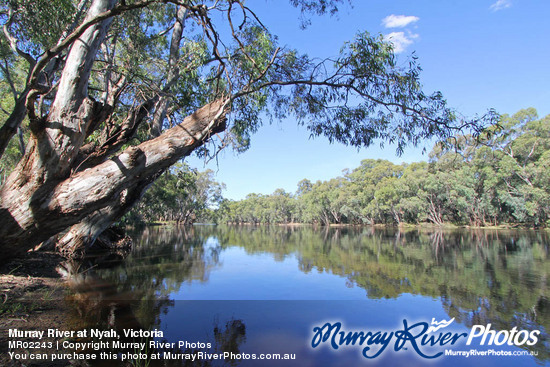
(112, 93)
(499, 178)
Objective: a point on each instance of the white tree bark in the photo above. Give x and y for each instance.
(72, 111)
(32, 216)
(46, 194)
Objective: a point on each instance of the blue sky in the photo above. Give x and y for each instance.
(480, 54)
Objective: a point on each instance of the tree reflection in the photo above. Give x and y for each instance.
(133, 294)
(481, 276)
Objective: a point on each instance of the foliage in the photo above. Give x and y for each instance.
(356, 97)
(502, 177)
(182, 195)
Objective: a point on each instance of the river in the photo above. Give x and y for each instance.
(259, 291)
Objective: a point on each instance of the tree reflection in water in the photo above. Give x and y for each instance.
(129, 295)
(480, 276)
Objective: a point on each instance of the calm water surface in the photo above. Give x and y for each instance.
(264, 289)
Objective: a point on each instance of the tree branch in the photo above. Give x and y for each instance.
(13, 41)
(73, 36)
(6, 71)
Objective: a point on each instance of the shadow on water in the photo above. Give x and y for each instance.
(479, 276)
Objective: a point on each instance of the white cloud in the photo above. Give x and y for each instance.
(501, 4)
(400, 41)
(400, 21)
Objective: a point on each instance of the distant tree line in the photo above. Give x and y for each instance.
(182, 194)
(500, 177)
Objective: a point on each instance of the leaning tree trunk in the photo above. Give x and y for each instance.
(62, 186)
(32, 216)
(81, 236)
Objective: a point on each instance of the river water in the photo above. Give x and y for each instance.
(253, 291)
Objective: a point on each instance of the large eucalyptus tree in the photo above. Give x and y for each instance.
(115, 92)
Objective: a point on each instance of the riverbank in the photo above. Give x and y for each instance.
(32, 297)
(403, 225)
